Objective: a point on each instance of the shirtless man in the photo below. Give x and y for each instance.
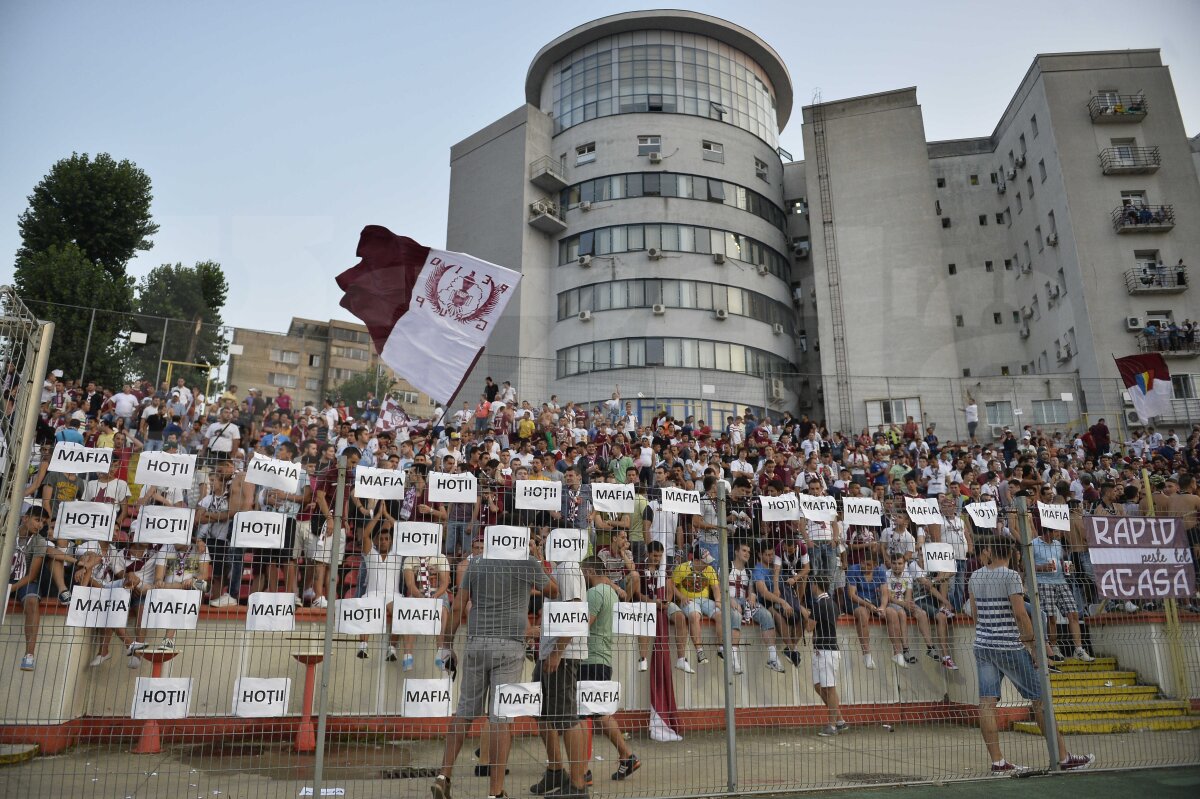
(1184, 502)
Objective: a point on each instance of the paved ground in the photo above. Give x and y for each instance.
(775, 760)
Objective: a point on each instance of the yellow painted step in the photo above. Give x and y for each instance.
(1115, 725)
(1099, 664)
(1102, 709)
(1099, 679)
(1064, 694)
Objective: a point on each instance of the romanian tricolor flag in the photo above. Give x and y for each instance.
(1149, 383)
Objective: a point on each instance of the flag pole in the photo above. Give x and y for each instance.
(458, 388)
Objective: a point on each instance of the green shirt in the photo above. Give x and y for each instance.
(602, 603)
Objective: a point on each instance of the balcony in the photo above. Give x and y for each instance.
(1168, 346)
(546, 216)
(1130, 160)
(1114, 108)
(1143, 218)
(1151, 279)
(547, 174)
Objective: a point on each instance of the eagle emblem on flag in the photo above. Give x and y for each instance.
(464, 298)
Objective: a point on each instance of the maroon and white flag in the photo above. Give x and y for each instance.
(430, 312)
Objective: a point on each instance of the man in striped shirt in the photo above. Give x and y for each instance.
(1003, 634)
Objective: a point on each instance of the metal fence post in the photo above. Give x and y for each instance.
(86, 348)
(162, 353)
(1049, 724)
(731, 782)
(330, 623)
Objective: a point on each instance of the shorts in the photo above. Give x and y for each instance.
(1056, 597)
(825, 666)
(594, 672)
(927, 604)
(1015, 664)
(703, 605)
(760, 616)
(286, 553)
(560, 703)
(317, 548)
(487, 662)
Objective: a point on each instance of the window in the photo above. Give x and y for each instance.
(974, 180)
(958, 320)
(1062, 282)
(712, 151)
(1184, 385)
(999, 412)
(649, 144)
(585, 153)
(799, 207)
(997, 319)
(314, 360)
(1033, 125)
(409, 397)
(893, 410)
(953, 269)
(988, 266)
(1000, 218)
(353, 353)
(285, 356)
(1020, 205)
(1037, 231)
(941, 183)
(1022, 142)
(1050, 411)
(1016, 317)
(654, 102)
(1004, 371)
(312, 384)
(716, 191)
(760, 168)
(946, 221)
(281, 380)
(1053, 224)
(1137, 198)
(1028, 255)
(652, 184)
(1029, 186)
(994, 177)
(1042, 169)
(341, 375)
(983, 220)
(1025, 368)
(966, 372)
(1008, 264)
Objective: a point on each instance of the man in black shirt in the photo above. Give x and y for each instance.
(826, 657)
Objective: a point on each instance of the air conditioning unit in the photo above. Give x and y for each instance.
(1132, 419)
(656, 158)
(1027, 269)
(997, 431)
(776, 389)
(585, 260)
(1020, 161)
(659, 309)
(718, 257)
(1001, 187)
(1026, 312)
(777, 329)
(1133, 323)
(585, 316)
(1052, 239)
(586, 205)
(800, 251)
(763, 270)
(1012, 174)
(654, 253)
(722, 314)
(1024, 331)
(1053, 292)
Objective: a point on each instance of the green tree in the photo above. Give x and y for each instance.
(101, 205)
(354, 390)
(186, 302)
(63, 274)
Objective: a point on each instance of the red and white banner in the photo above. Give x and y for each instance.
(430, 312)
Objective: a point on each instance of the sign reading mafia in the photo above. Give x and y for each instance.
(1140, 557)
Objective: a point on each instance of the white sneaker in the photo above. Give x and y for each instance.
(96, 661)
(1129, 607)
(643, 665)
(774, 665)
(223, 601)
(869, 661)
(683, 665)
(297, 601)
(167, 643)
(737, 664)
(899, 660)
(1081, 654)
(320, 602)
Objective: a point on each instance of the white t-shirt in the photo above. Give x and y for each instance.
(125, 404)
(427, 581)
(897, 542)
(662, 528)
(972, 412)
(180, 565)
(954, 535)
(111, 565)
(222, 435)
(383, 574)
(114, 492)
(571, 588)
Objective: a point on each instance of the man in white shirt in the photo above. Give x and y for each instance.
(740, 467)
(222, 436)
(126, 404)
(972, 414)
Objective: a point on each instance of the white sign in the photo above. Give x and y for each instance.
(86, 521)
(445, 487)
(708, 388)
(162, 697)
(783, 508)
(261, 697)
(565, 619)
(98, 607)
(72, 458)
(983, 514)
(1066, 397)
(635, 618)
(163, 524)
(258, 529)
(366, 616)
(818, 509)
(538, 494)
(512, 700)
(923, 511)
(271, 612)
(426, 699)
(372, 483)
(1055, 517)
(612, 497)
(678, 500)
(416, 616)
(416, 539)
(940, 558)
(863, 511)
(566, 545)
(171, 609)
(274, 473)
(165, 469)
(598, 697)
(501, 542)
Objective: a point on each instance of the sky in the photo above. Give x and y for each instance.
(274, 131)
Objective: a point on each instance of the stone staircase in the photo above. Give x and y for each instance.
(1098, 697)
